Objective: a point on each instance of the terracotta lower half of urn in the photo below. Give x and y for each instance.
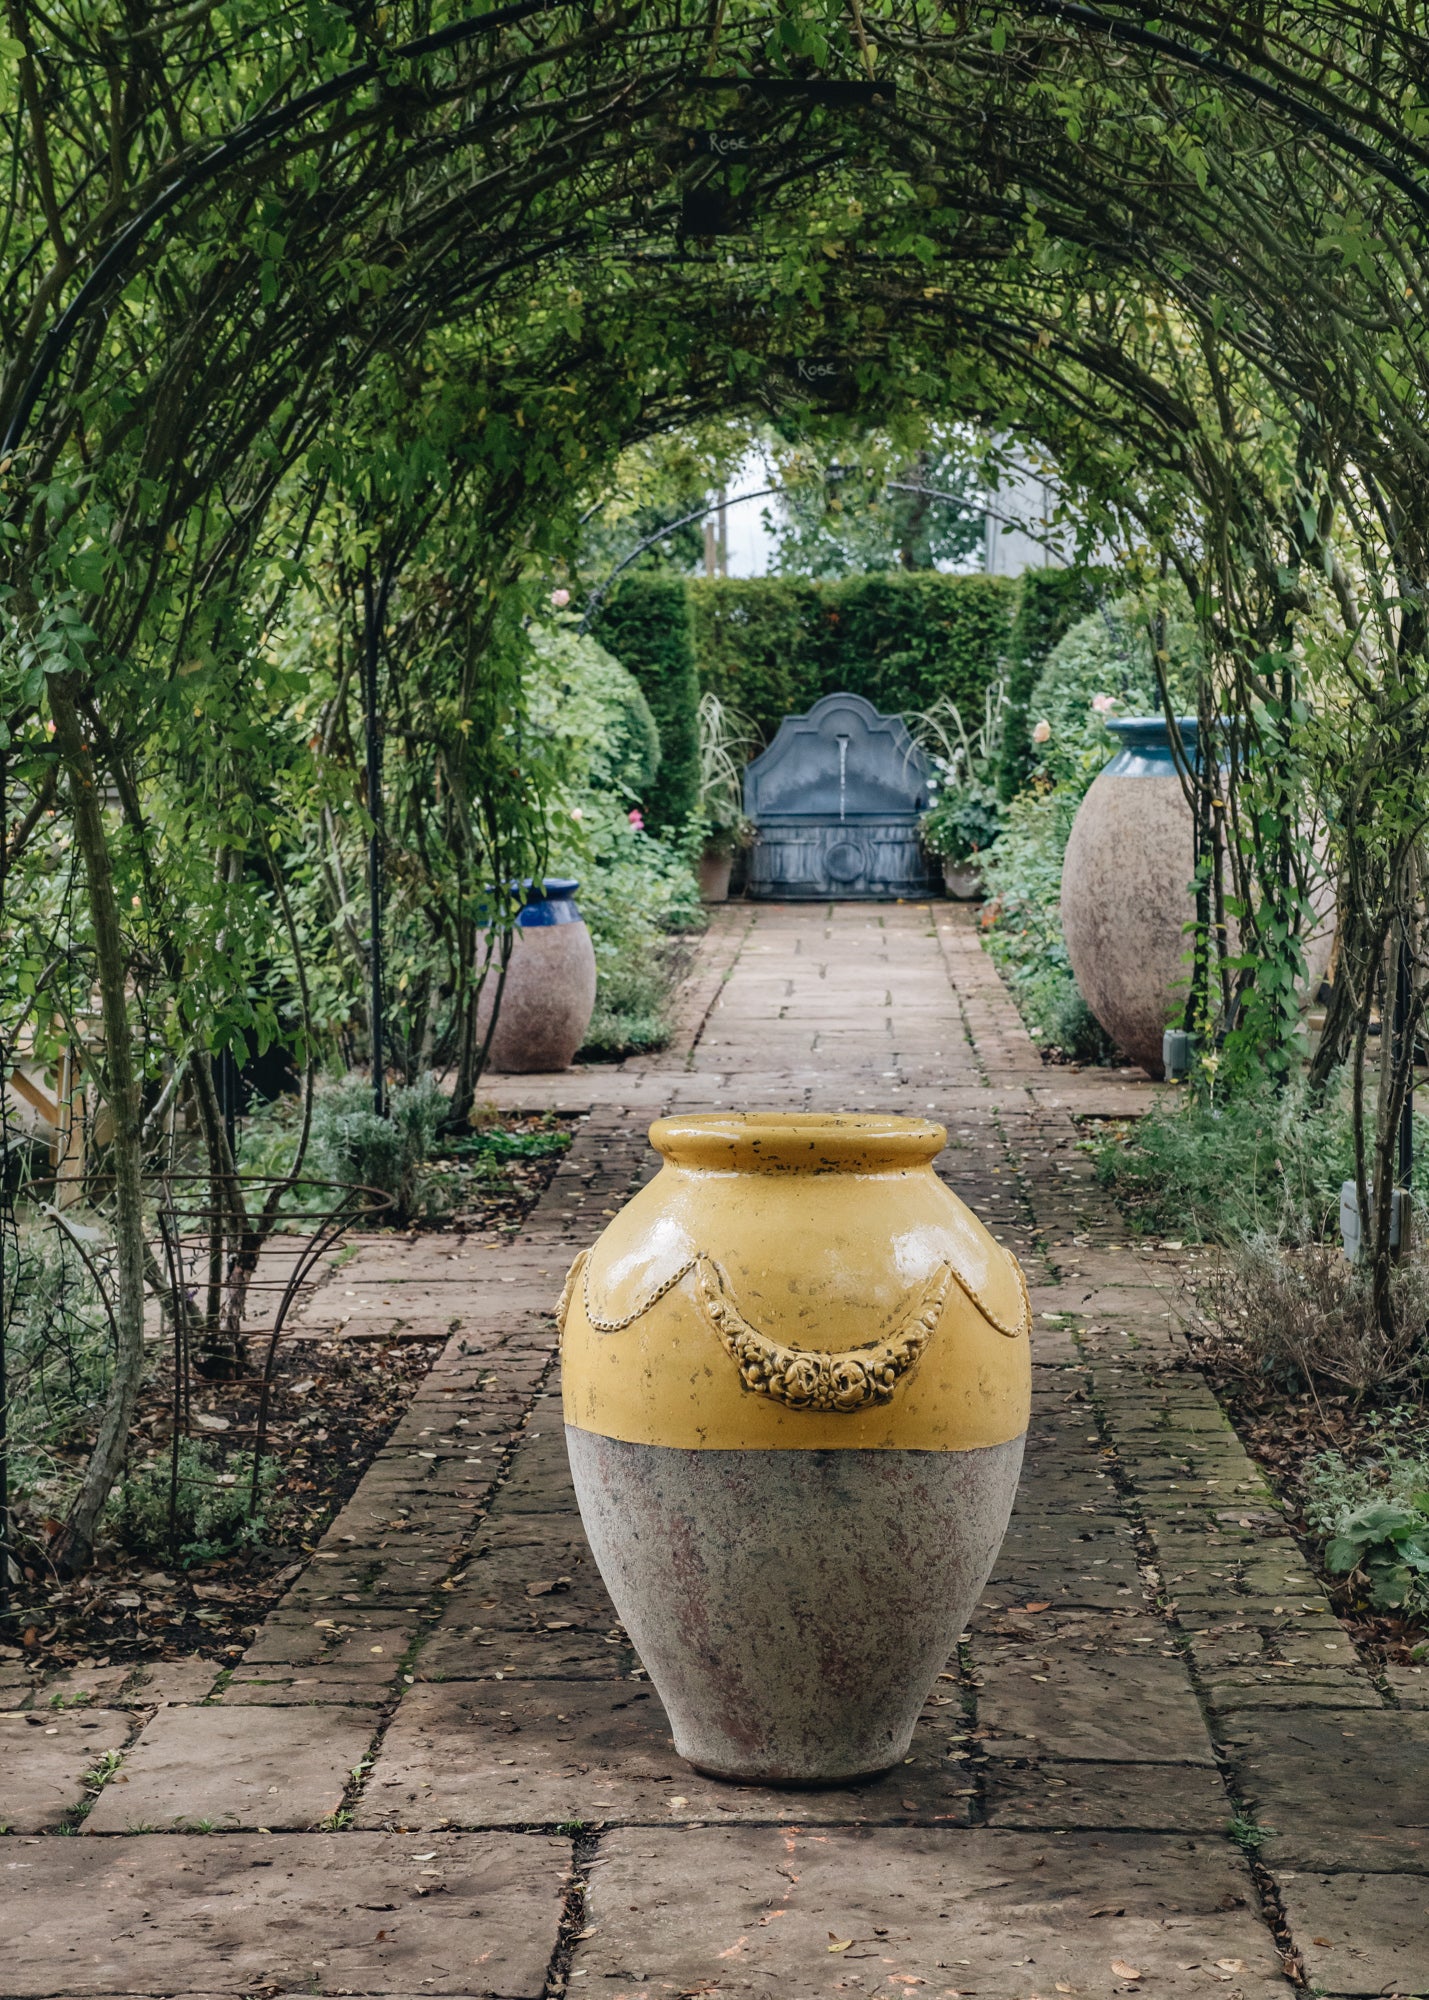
(1126, 895)
(549, 992)
(796, 1380)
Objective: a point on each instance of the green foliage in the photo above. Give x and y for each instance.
(1103, 667)
(727, 742)
(581, 696)
(1023, 872)
(642, 890)
(646, 625)
(966, 821)
(1262, 1160)
(210, 1516)
(1385, 1537)
(59, 1348)
(494, 1144)
(1391, 1546)
(351, 1143)
(1374, 1516)
(1266, 1158)
(1049, 603)
(874, 509)
(771, 646)
(964, 817)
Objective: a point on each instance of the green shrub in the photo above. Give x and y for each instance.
(58, 1349)
(211, 1517)
(646, 625)
(1049, 603)
(1262, 1161)
(1023, 872)
(1106, 656)
(351, 1143)
(1374, 1518)
(582, 696)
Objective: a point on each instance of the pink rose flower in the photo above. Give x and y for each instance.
(560, 598)
(636, 818)
(1042, 732)
(1103, 703)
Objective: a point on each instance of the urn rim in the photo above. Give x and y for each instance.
(801, 1142)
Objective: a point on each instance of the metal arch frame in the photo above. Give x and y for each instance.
(115, 257)
(117, 254)
(113, 260)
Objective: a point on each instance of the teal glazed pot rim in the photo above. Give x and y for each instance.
(1145, 750)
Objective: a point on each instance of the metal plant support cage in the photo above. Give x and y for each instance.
(227, 1259)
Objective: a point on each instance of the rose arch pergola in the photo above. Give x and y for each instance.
(436, 269)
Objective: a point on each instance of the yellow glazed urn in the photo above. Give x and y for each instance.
(796, 1379)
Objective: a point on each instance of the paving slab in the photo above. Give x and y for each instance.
(1360, 1934)
(44, 1757)
(1131, 1710)
(1150, 1798)
(1346, 1789)
(583, 1753)
(456, 1914)
(234, 1767)
(802, 1913)
(1105, 1864)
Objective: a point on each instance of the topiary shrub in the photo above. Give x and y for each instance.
(582, 698)
(1049, 603)
(1100, 669)
(646, 625)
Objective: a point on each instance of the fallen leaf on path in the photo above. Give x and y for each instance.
(1327, 1942)
(1232, 1964)
(1124, 1971)
(1038, 1607)
(838, 1943)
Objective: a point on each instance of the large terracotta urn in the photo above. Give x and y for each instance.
(1126, 894)
(549, 993)
(796, 1380)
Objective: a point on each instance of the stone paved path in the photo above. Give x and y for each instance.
(440, 1770)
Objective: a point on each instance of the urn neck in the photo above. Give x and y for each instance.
(798, 1142)
(1145, 745)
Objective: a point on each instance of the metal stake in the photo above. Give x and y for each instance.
(371, 646)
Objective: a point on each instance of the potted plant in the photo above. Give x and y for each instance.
(727, 739)
(964, 816)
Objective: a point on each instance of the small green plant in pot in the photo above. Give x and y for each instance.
(727, 741)
(964, 816)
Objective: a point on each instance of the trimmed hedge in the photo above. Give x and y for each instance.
(771, 646)
(1050, 603)
(647, 626)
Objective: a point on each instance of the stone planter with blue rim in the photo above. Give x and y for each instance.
(549, 994)
(1126, 895)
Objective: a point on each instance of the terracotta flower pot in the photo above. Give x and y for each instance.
(796, 1380)
(962, 880)
(1126, 897)
(714, 873)
(549, 994)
